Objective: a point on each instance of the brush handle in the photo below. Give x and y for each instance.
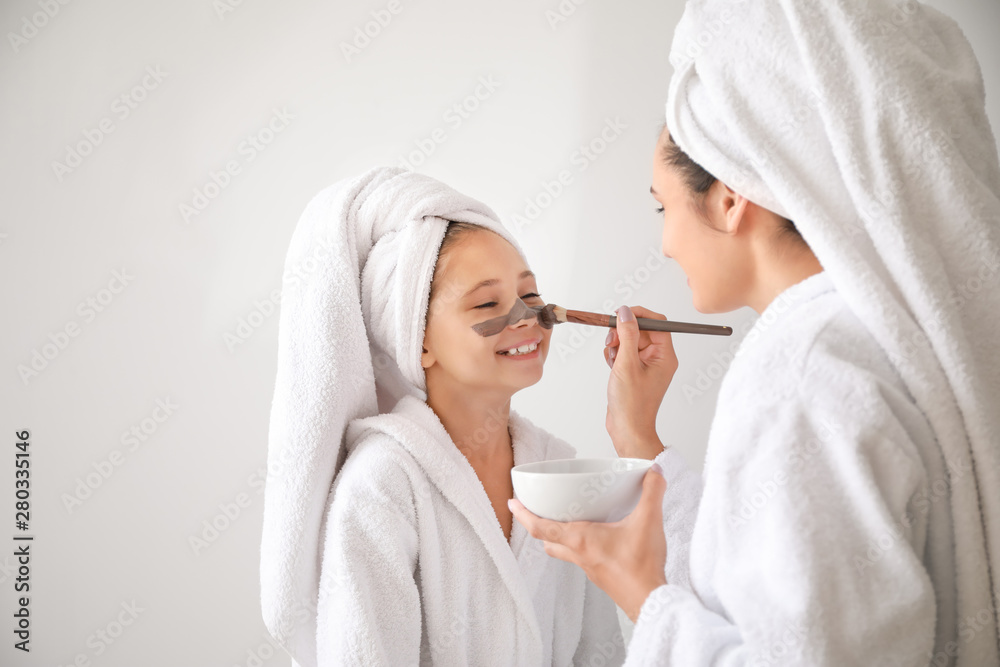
(648, 324)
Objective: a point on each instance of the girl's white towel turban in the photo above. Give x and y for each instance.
(353, 312)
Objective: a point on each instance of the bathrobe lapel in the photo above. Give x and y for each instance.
(532, 444)
(417, 428)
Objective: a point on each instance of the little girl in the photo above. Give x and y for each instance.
(420, 560)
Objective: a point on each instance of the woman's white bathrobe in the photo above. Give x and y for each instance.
(416, 569)
(822, 537)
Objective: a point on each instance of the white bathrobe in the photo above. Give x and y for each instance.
(822, 537)
(416, 569)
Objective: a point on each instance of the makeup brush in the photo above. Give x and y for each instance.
(552, 314)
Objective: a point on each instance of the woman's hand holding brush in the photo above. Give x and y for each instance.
(642, 364)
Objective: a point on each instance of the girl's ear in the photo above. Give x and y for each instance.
(426, 359)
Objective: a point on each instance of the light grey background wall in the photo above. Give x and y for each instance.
(139, 337)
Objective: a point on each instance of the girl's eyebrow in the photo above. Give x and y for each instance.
(494, 281)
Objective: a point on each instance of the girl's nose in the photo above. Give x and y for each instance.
(526, 320)
(522, 315)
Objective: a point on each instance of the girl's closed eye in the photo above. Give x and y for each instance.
(659, 210)
(492, 304)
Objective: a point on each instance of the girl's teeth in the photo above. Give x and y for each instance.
(524, 349)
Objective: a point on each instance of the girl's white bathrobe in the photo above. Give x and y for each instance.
(823, 534)
(416, 569)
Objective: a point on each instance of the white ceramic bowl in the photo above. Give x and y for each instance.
(580, 489)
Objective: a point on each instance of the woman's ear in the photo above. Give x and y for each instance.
(734, 208)
(426, 359)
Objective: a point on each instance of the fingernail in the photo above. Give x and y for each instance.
(625, 314)
(613, 353)
(657, 469)
(510, 504)
(611, 337)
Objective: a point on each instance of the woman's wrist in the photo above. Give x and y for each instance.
(643, 591)
(640, 446)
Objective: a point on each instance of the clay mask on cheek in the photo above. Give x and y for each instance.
(519, 311)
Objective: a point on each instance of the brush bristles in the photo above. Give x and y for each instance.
(551, 315)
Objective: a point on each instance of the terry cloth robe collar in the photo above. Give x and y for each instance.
(418, 429)
(801, 292)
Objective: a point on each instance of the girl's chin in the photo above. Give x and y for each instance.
(525, 383)
(523, 372)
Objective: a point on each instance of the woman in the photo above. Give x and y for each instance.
(830, 166)
(401, 354)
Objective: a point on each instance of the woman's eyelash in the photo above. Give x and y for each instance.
(491, 304)
(659, 210)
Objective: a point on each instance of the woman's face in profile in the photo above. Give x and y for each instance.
(715, 262)
(478, 279)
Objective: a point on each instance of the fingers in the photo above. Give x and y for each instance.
(559, 551)
(522, 514)
(628, 335)
(644, 338)
(561, 540)
(537, 527)
(645, 312)
(654, 485)
(611, 348)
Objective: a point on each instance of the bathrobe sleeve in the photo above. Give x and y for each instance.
(680, 509)
(371, 614)
(807, 520)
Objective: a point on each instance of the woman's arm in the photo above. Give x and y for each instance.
(369, 610)
(643, 364)
(822, 565)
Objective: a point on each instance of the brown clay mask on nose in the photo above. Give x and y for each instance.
(519, 311)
